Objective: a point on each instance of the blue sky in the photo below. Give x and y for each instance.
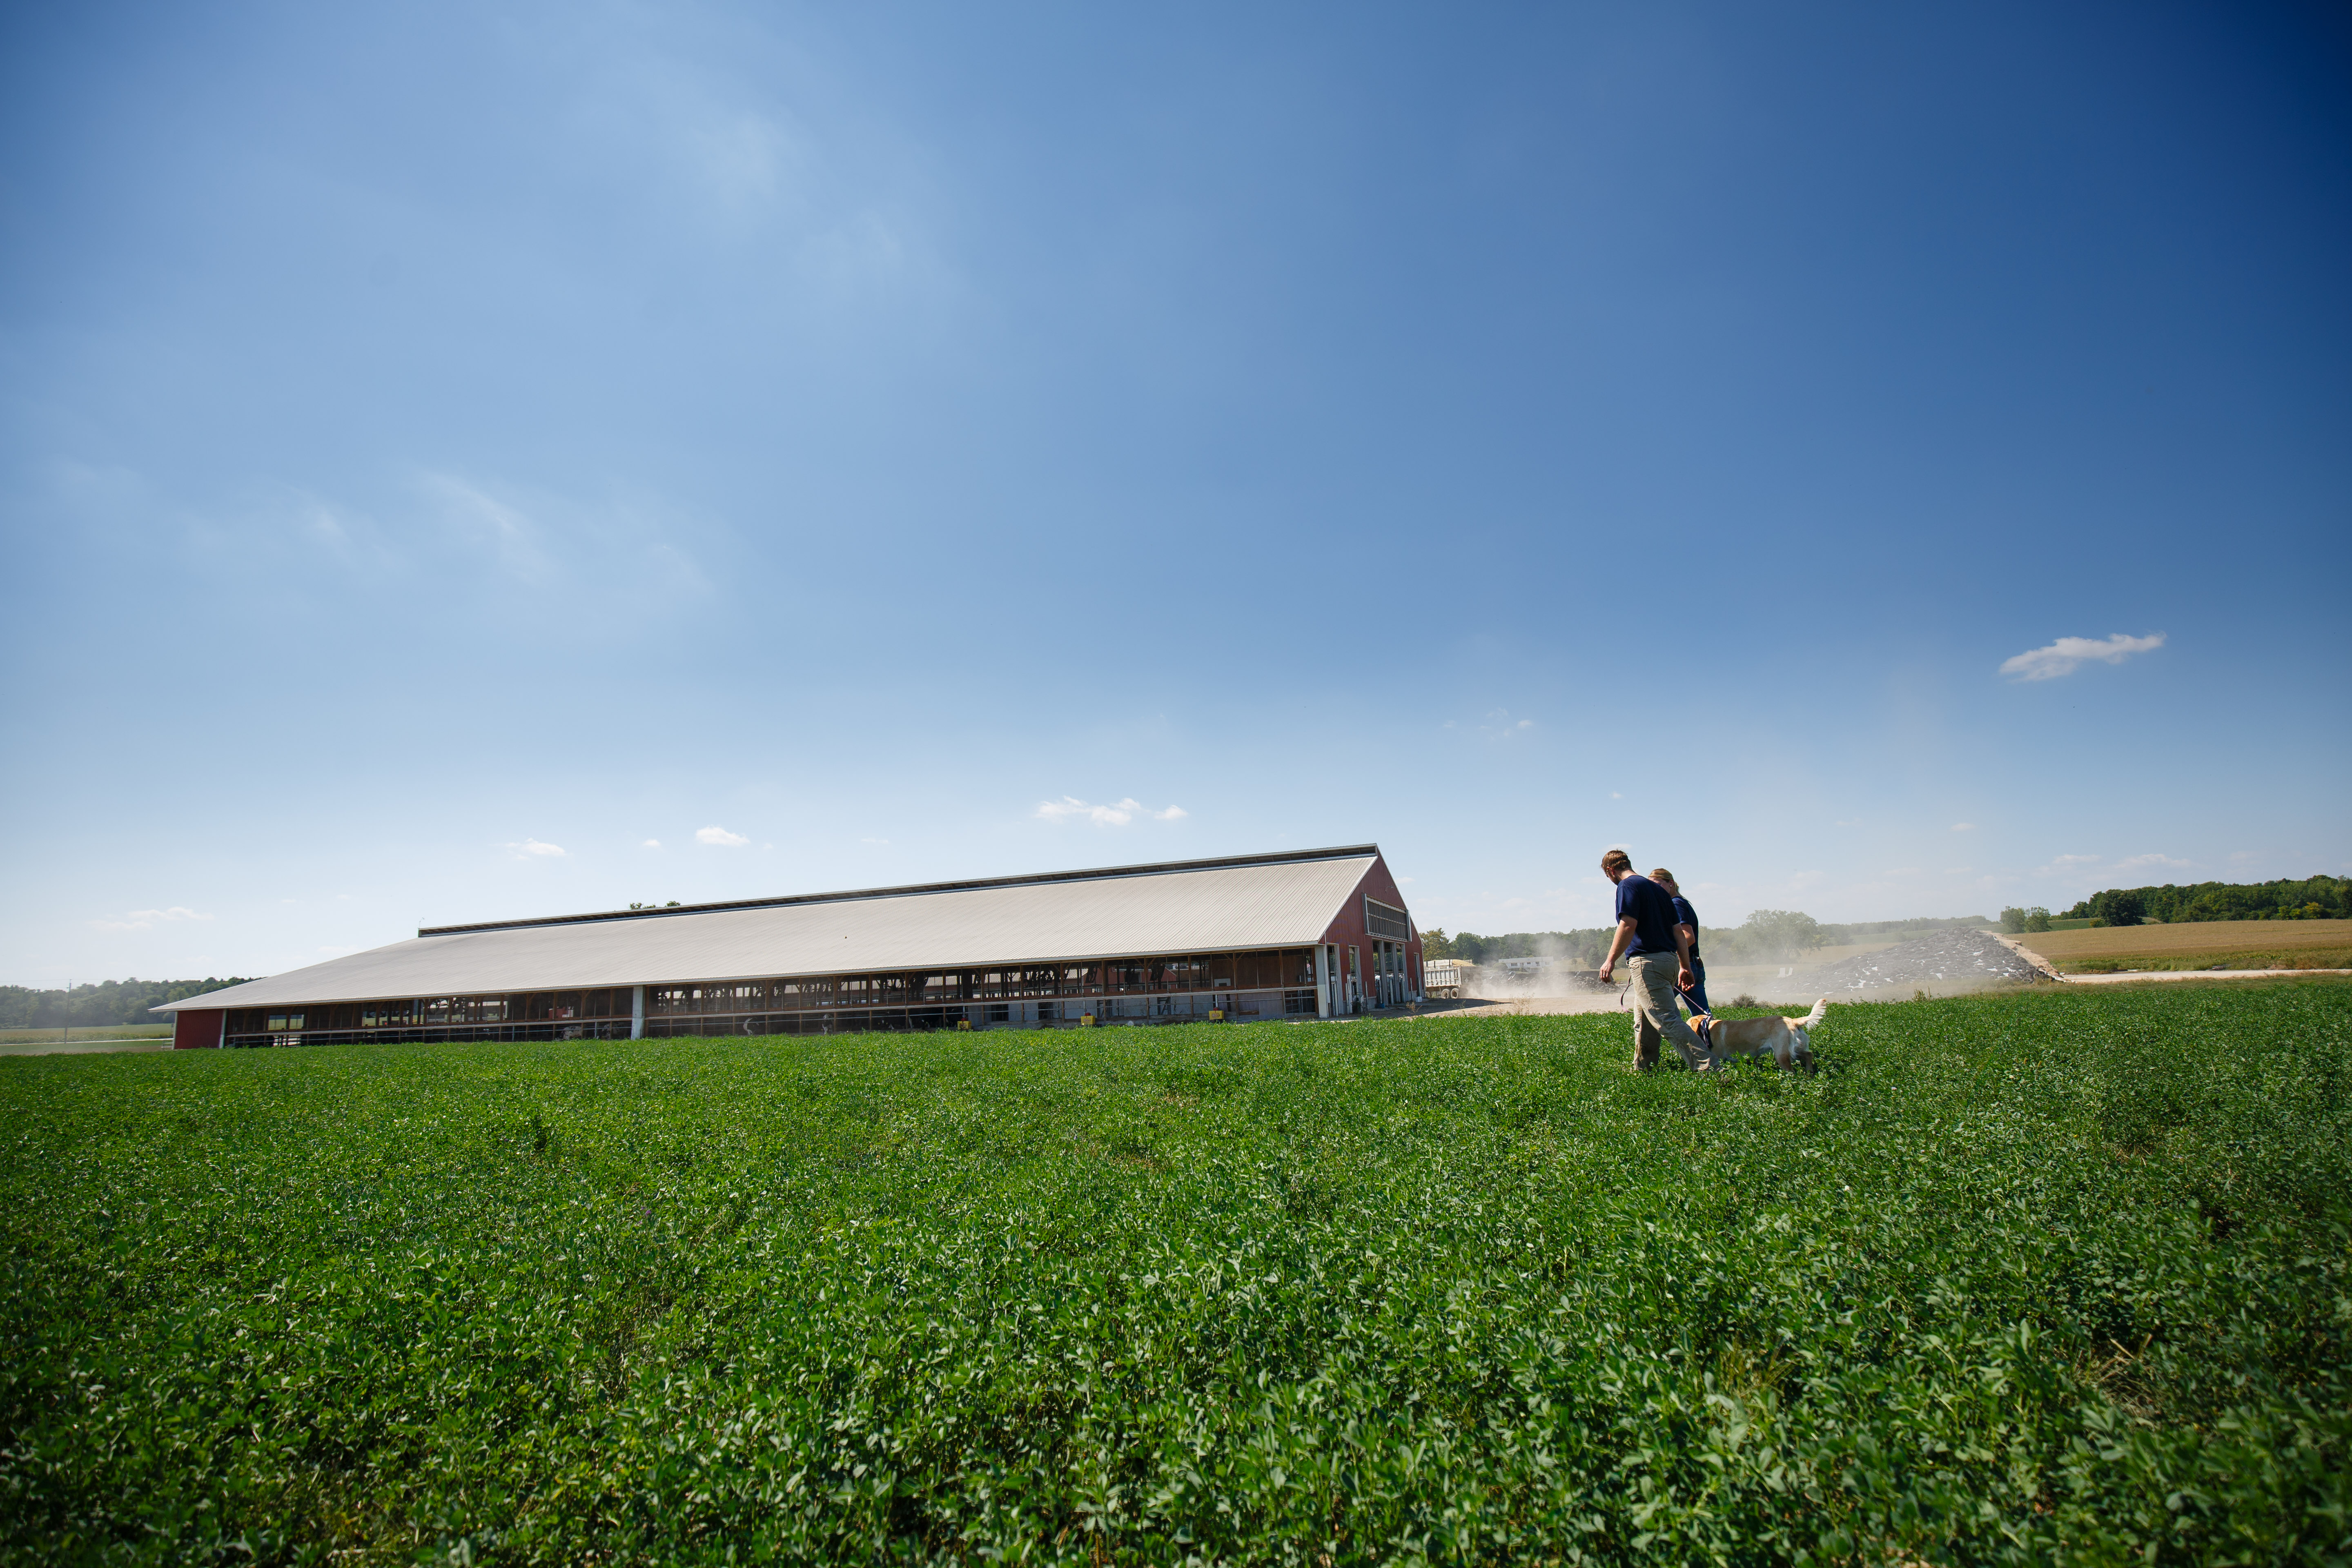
(498, 459)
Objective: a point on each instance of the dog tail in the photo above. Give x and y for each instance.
(1812, 1019)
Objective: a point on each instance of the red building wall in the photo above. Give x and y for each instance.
(1349, 928)
(195, 1028)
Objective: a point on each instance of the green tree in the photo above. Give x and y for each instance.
(2037, 919)
(2120, 906)
(2012, 920)
(1435, 943)
(1772, 936)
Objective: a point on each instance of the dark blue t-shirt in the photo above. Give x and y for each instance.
(1653, 912)
(1687, 916)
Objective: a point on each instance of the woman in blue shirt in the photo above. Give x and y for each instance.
(1687, 916)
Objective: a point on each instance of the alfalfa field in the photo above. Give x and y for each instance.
(2037, 1276)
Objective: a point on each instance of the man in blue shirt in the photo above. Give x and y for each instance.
(1695, 993)
(1657, 953)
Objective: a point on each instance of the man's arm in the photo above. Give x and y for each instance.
(1625, 929)
(1683, 940)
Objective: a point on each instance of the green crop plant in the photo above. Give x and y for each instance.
(2045, 1277)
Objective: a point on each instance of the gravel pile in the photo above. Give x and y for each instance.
(1949, 956)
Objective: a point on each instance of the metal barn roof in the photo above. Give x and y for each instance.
(1194, 906)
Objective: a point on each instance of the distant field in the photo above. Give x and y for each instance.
(90, 1032)
(2241, 944)
(2015, 1278)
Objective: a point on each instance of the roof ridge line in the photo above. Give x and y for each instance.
(1162, 867)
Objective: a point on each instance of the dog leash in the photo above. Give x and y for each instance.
(1702, 1030)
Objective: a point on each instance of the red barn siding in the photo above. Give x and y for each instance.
(195, 1028)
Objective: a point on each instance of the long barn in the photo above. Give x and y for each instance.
(1311, 933)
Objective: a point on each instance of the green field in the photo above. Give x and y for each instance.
(87, 1032)
(2031, 1278)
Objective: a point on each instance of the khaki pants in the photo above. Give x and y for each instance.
(1655, 1012)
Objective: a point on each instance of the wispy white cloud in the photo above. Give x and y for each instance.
(1500, 723)
(532, 846)
(744, 156)
(556, 546)
(1964, 828)
(719, 835)
(873, 841)
(145, 919)
(651, 844)
(2062, 861)
(1119, 814)
(2135, 862)
(2069, 653)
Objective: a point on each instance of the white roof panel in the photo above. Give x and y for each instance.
(1197, 907)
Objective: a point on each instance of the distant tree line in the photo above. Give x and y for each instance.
(108, 1002)
(1569, 946)
(1766, 936)
(2311, 899)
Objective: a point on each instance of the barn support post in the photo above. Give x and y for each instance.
(637, 1012)
(1322, 980)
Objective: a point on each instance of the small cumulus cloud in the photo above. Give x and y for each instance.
(1964, 828)
(1615, 794)
(873, 841)
(533, 846)
(719, 835)
(1119, 814)
(2069, 653)
(651, 844)
(2065, 860)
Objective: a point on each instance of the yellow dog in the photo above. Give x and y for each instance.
(1787, 1039)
